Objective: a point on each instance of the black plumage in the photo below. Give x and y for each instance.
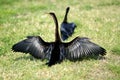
(67, 29)
(57, 51)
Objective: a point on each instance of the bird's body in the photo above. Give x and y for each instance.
(57, 51)
(55, 56)
(67, 29)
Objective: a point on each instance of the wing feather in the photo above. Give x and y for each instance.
(82, 47)
(35, 46)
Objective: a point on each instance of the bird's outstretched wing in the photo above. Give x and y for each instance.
(35, 46)
(82, 47)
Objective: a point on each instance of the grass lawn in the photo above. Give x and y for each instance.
(98, 20)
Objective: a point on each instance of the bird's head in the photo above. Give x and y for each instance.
(67, 8)
(52, 14)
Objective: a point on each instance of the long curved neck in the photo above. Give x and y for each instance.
(57, 36)
(65, 18)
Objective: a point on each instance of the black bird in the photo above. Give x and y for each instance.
(57, 51)
(67, 29)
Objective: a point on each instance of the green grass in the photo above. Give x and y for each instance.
(99, 20)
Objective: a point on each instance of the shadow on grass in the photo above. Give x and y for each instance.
(26, 58)
(81, 59)
(90, 58)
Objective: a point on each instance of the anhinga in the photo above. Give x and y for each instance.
(57, 51)
(67, 29)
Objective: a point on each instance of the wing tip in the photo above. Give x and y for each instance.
(103, 52)
(14, 49)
